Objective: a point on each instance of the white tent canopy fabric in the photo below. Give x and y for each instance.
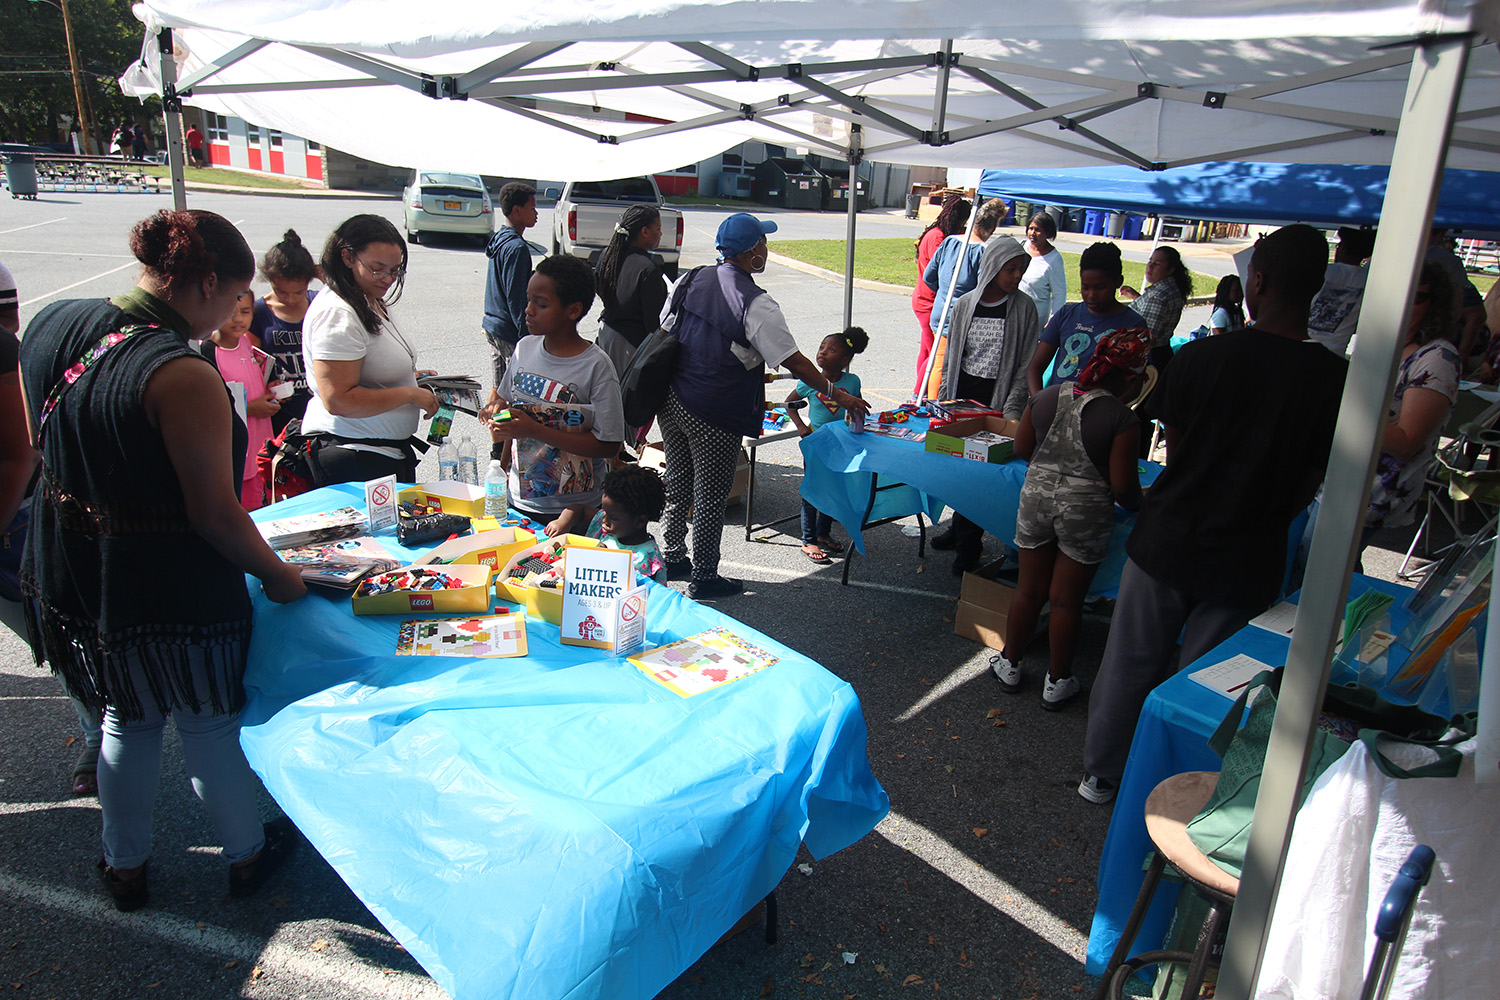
(590, 89)
(546, 89)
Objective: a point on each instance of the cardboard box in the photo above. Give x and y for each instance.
(464, 499)
(475, 597)
(487, 548)
(654, 456)
(981, 439)
(983, 609)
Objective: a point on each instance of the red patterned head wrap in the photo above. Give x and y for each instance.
(1128, 349)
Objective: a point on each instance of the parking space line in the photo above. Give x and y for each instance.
(987, 886)
(65, 253)
(34, 225)
(85, 281)
(22, 808)
(267, 955)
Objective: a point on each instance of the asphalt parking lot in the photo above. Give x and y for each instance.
(979, 884)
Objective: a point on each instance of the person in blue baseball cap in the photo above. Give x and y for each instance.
(742, 232)
(728, 330)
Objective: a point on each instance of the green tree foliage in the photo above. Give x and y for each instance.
(36, 88)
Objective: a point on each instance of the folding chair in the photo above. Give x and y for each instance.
(1457, 470)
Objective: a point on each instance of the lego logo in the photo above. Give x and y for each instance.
(488, 559)
(420, 603)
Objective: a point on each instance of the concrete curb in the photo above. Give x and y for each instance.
(835, 277)
(319, 193)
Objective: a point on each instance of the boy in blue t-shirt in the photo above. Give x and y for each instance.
(834, 356)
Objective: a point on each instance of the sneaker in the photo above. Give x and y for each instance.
(944, 541)
(680, 569)
(281, 840)
(1096, 790)
(1056, 694)
(716, 586)
(1006, 672)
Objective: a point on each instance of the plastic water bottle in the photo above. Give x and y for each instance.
(496, 501)
(468, 462)
(448, 462)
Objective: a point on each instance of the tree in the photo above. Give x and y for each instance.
(36, 87)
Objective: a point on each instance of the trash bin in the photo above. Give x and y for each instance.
(913, 205)
(1023, 212)
(20, 174)
(1093, 222)
(1114, 225)
(788, 183)
(1133, 226)
(1071, 220)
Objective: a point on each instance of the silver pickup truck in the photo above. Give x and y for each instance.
(584, 218)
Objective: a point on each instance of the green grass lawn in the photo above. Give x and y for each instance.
(894, 261)
(234, 178)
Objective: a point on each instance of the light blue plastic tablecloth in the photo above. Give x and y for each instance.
(838, 467)
(1171, 738)
(558, 825)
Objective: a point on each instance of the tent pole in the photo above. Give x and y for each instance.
(1433, 87)
(171, 112)
(855, 155)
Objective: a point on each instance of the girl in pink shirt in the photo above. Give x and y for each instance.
(238, 363)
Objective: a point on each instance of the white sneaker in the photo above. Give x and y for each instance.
(1096, 790)
(1006, 672)
(1056, 694)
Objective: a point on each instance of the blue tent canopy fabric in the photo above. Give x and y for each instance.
(1271, 193)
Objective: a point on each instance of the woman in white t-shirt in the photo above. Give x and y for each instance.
(362, 370)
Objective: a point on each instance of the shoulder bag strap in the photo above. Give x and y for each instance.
(86, 361)
(1224, 735)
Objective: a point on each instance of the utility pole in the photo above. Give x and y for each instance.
(80, 105)
(85, 127)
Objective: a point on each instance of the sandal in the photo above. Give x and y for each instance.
(128, 893)
(281, 841)
(86, 772)
(816, 554)
(830, 546)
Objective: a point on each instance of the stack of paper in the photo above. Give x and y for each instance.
(313, 529)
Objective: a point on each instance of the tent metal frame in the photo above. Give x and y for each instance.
(1438, 64)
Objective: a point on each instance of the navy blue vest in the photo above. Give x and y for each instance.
(711, 382)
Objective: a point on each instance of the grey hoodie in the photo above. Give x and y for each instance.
(1022, 328)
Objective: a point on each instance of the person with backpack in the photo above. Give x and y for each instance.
(633, 289)
(728, 330)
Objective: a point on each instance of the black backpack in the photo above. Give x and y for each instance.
(648, 377)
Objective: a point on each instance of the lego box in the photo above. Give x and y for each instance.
(464, 499)
(540, 602)
(475, 596)
(487, 548)
(980, 439)
(945, 411)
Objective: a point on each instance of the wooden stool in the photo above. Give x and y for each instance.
(1169, 808)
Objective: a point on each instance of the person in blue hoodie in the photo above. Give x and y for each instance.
(509, 271)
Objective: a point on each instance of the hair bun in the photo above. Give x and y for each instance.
(290, 236)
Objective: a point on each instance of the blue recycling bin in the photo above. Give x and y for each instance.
(1093, 222)
(1133, 226)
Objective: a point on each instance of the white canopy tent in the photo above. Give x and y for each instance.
(594, 89)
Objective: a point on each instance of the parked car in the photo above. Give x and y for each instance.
(437, 201)
(586, 213)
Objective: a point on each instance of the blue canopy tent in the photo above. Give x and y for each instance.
(1321, 194)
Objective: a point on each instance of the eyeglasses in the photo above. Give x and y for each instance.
(381, 274)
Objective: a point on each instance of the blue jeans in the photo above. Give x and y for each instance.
(815, 524)
(130, 770)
